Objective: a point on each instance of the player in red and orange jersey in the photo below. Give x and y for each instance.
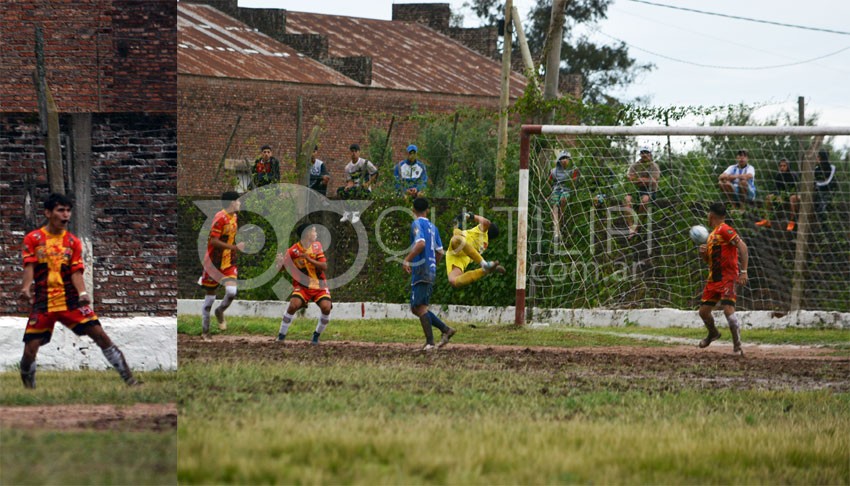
(306, 262)
(53, 284)
(220, 262)
(721, 252)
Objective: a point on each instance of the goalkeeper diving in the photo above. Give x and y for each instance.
(466, 247)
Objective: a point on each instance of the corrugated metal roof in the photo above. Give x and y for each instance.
(407, 55)
(210, 43)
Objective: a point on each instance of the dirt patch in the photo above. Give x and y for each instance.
(156, 417)
(621, 367)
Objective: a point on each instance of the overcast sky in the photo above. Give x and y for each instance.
(703, 39)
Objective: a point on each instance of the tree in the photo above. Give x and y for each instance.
(604, 68)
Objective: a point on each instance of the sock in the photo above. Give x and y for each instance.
(205, 313)
(116, 359)
(732, 319)
(468, 277)
(284, 324)
(425, 320)
(28, 372)
(324, 319)
(436, 322)
(229, 295)
(709, 324)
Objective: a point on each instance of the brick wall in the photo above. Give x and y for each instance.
(208, 108)
(133, 208)
(482, 40)
(144, 46)
(100, 55)
(434, 15)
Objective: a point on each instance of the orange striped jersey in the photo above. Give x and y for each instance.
(224, 228)
(55, 259)
(315, 275)
(722, 249)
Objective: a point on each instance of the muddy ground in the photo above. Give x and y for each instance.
(619, 368)
(156, 417)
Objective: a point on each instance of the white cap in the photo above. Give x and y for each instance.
(564, 155)
(645, 149)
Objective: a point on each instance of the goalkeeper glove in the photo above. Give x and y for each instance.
(463, 217)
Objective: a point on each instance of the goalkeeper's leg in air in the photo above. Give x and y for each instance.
(466, 247)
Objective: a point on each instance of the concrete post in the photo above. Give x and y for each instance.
(81, 135)
(504, 99)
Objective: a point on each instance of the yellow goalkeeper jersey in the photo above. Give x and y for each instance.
(476, 237)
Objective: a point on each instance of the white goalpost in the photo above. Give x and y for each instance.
(613, 234)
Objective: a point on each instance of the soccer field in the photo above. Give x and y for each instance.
(504, 405)
(87, 427)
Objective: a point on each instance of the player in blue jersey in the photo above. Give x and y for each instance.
(426, 249)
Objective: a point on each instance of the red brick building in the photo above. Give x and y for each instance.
(111, 68)
(351, 75)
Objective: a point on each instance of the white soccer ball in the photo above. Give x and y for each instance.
(699, 234)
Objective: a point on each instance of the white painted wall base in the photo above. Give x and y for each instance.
(659, 318)
(148, 344)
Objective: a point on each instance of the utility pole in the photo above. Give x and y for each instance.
(502, 149)
(520, 37)
(806, 193)
(552, 53)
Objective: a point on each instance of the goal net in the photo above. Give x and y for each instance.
(604, 215)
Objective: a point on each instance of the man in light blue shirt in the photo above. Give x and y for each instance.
(410, 174)
(738, 181)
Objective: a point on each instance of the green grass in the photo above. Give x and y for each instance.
(90, 387)
(87, 457)
(49, 457)
(408, 330)
(442, 422)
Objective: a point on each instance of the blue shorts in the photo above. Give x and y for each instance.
(751, 193)
(420, 294)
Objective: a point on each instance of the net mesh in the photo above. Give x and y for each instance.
(601, 234)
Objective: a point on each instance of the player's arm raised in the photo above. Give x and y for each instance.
(744, 254)
(481, 221)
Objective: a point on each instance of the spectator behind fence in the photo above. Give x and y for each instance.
(410, 175)
(644, 174)
(266, 169)
(825, 182)
(319, 176)
(739, 178)
(360, 174)
(562, 178)
(785, 189)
